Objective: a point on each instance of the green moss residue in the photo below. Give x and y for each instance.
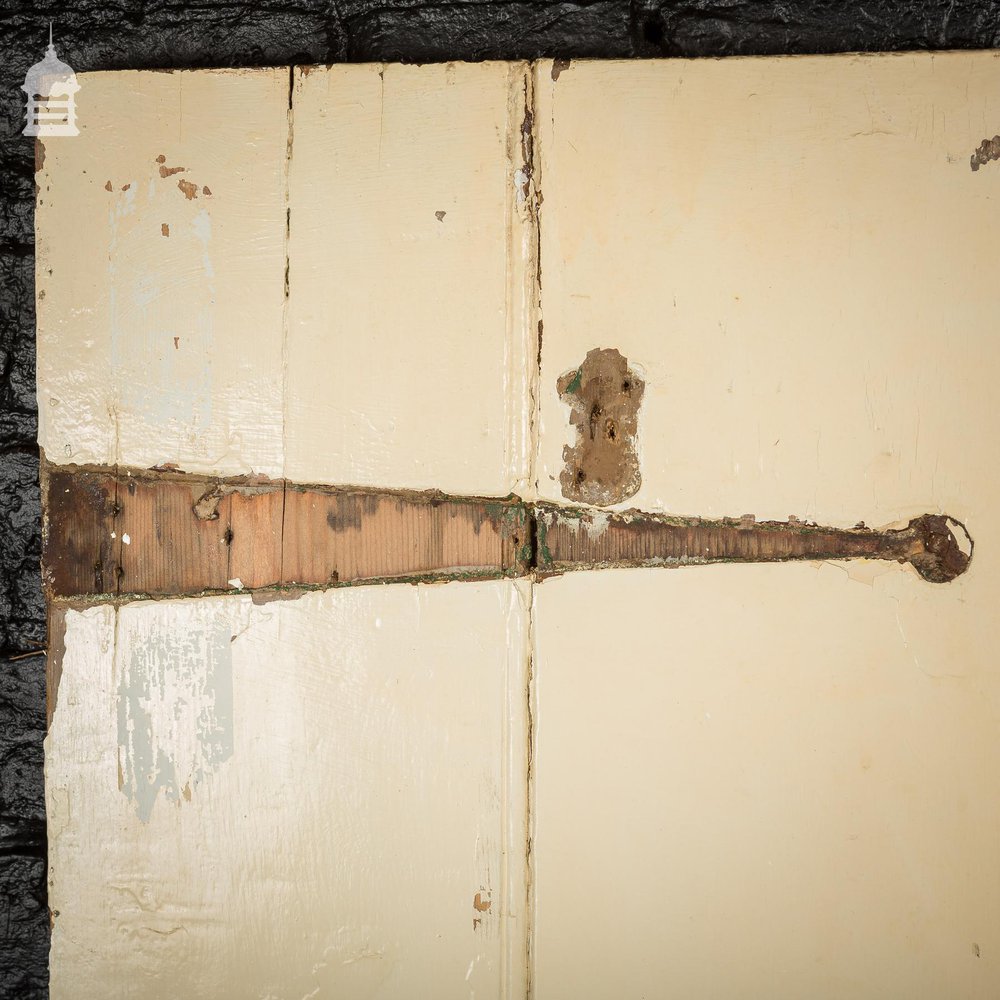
(544, 555)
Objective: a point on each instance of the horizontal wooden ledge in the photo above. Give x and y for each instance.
(125, 533)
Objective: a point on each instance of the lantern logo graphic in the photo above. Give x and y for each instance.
(50, 86)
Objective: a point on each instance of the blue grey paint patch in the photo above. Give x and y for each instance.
(175, 709)
(174, 380)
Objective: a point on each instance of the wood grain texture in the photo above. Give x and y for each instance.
(79, 519)
(166, 534)
(255, 551)
(164, 548)
(338, 537)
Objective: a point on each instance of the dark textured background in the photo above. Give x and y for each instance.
(118, 34)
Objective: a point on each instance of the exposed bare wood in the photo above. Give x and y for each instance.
(255, 549)
(345, 536)
(133, 533)
(78, 538)
(164, 548)
(171, 534)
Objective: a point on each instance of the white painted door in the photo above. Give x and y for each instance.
(739, 780)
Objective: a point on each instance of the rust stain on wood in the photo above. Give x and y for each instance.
(190, 190)
(125, 533)
(349, 536)
(604, 396)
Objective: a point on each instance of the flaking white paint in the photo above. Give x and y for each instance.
(175, 700)
(340, 846)
(160, 308)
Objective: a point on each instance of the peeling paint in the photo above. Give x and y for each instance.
(559, 66)
(988, 149)
(54, 661)
(175, 706)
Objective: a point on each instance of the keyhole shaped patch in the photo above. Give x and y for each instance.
(604, 396)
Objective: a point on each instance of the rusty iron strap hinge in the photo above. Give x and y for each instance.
(129, 533)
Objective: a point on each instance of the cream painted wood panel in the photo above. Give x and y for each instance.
(328, 794)
(795, 254)
(774, 780)
(757, 781)
(409, 344)
(314, 797)
(160, 273)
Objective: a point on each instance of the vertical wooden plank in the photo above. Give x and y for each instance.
(410, 327)
(785, 774)
(160, 273)
(342, 767)
(752, 260)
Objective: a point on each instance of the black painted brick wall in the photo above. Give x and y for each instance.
(120, 34)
